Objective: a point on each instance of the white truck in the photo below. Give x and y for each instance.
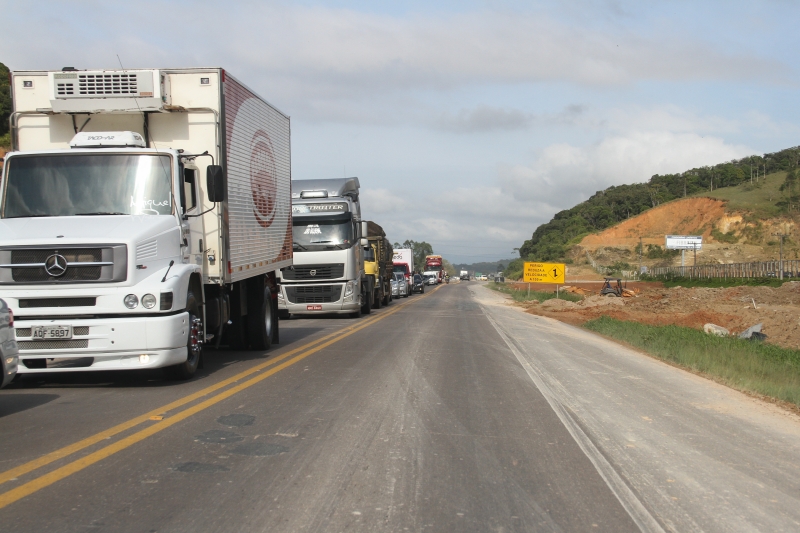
(464, 275)
(328, 237)
(403, 261)
(144, 214)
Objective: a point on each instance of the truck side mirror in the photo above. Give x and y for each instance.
(215, 184)
(364, 230)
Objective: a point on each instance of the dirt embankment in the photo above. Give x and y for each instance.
(746, 238)
(735, 308)
(682, 217)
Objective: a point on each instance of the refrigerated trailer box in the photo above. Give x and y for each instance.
(403, 261)
(144, 213)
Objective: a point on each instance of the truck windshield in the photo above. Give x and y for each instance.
(322, 234)
(87, 184)
(402, 269)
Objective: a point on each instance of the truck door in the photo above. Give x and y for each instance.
(192, 227)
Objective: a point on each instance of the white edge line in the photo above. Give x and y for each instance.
(632, 505)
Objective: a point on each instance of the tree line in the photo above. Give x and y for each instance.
(552, 241)
(5, 106)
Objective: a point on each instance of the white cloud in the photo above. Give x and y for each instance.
(464, 222)
(484, 118)
(317, 55)
(564, 174)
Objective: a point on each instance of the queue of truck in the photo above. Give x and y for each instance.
(149, 213)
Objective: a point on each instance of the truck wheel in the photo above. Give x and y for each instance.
(260, 321)
(356, 314)
(194, 343)
(387, 297)
(283, 314)
(366, 307)
(376, 298)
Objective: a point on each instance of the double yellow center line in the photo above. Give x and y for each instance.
(164, 420)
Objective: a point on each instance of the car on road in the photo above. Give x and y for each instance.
(418, 284)
(400, 285)
(430, 279)
(9, 350)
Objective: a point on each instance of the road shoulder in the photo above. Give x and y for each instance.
(698, 455)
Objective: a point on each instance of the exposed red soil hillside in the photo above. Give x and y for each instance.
(680, 217)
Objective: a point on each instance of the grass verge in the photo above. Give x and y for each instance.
(720, 282)
(522, 295)
(744, 365)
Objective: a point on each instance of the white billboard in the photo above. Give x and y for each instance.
(684, 242)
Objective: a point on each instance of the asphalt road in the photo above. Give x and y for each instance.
(450, 411)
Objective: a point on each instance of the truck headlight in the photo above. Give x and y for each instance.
(149, 301)
(131, 301)
(280, 295)
(349, 289)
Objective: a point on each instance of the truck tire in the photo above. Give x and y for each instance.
(260, 320)
(387, 296)
(377, 300)
(194, 344)
(276, 329)
(366, 306)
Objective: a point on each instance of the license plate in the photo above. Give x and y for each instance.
(51, 332)
(313, 308)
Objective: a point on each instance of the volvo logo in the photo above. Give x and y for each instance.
(55, 265)
(312, 273)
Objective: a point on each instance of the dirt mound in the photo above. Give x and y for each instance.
(681, 217)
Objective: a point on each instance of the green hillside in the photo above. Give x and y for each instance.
(5, 106)
(768, 197)
(730, 181)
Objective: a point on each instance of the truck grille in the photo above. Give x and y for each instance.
(77, 255)
(313, 294)
(53, 345)
(304, 272)
(28, 303)
(29, 264)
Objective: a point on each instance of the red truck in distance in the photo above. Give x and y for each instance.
(433, 263)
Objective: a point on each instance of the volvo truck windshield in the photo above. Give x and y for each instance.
(88, 184)
(323, 233)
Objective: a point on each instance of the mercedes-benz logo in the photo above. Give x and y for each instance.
(313, 272)
(55, 265)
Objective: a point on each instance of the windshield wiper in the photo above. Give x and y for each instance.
(98, 213)
(299, 245)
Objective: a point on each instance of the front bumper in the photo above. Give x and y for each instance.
(106, 343)
(294, 301)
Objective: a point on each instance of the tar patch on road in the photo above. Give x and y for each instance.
(219, 436)
(259, 449)
(200, 468)
(236, 420)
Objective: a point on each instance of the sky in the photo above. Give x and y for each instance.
(468, 123)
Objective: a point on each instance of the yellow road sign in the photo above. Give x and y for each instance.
(544, 273)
